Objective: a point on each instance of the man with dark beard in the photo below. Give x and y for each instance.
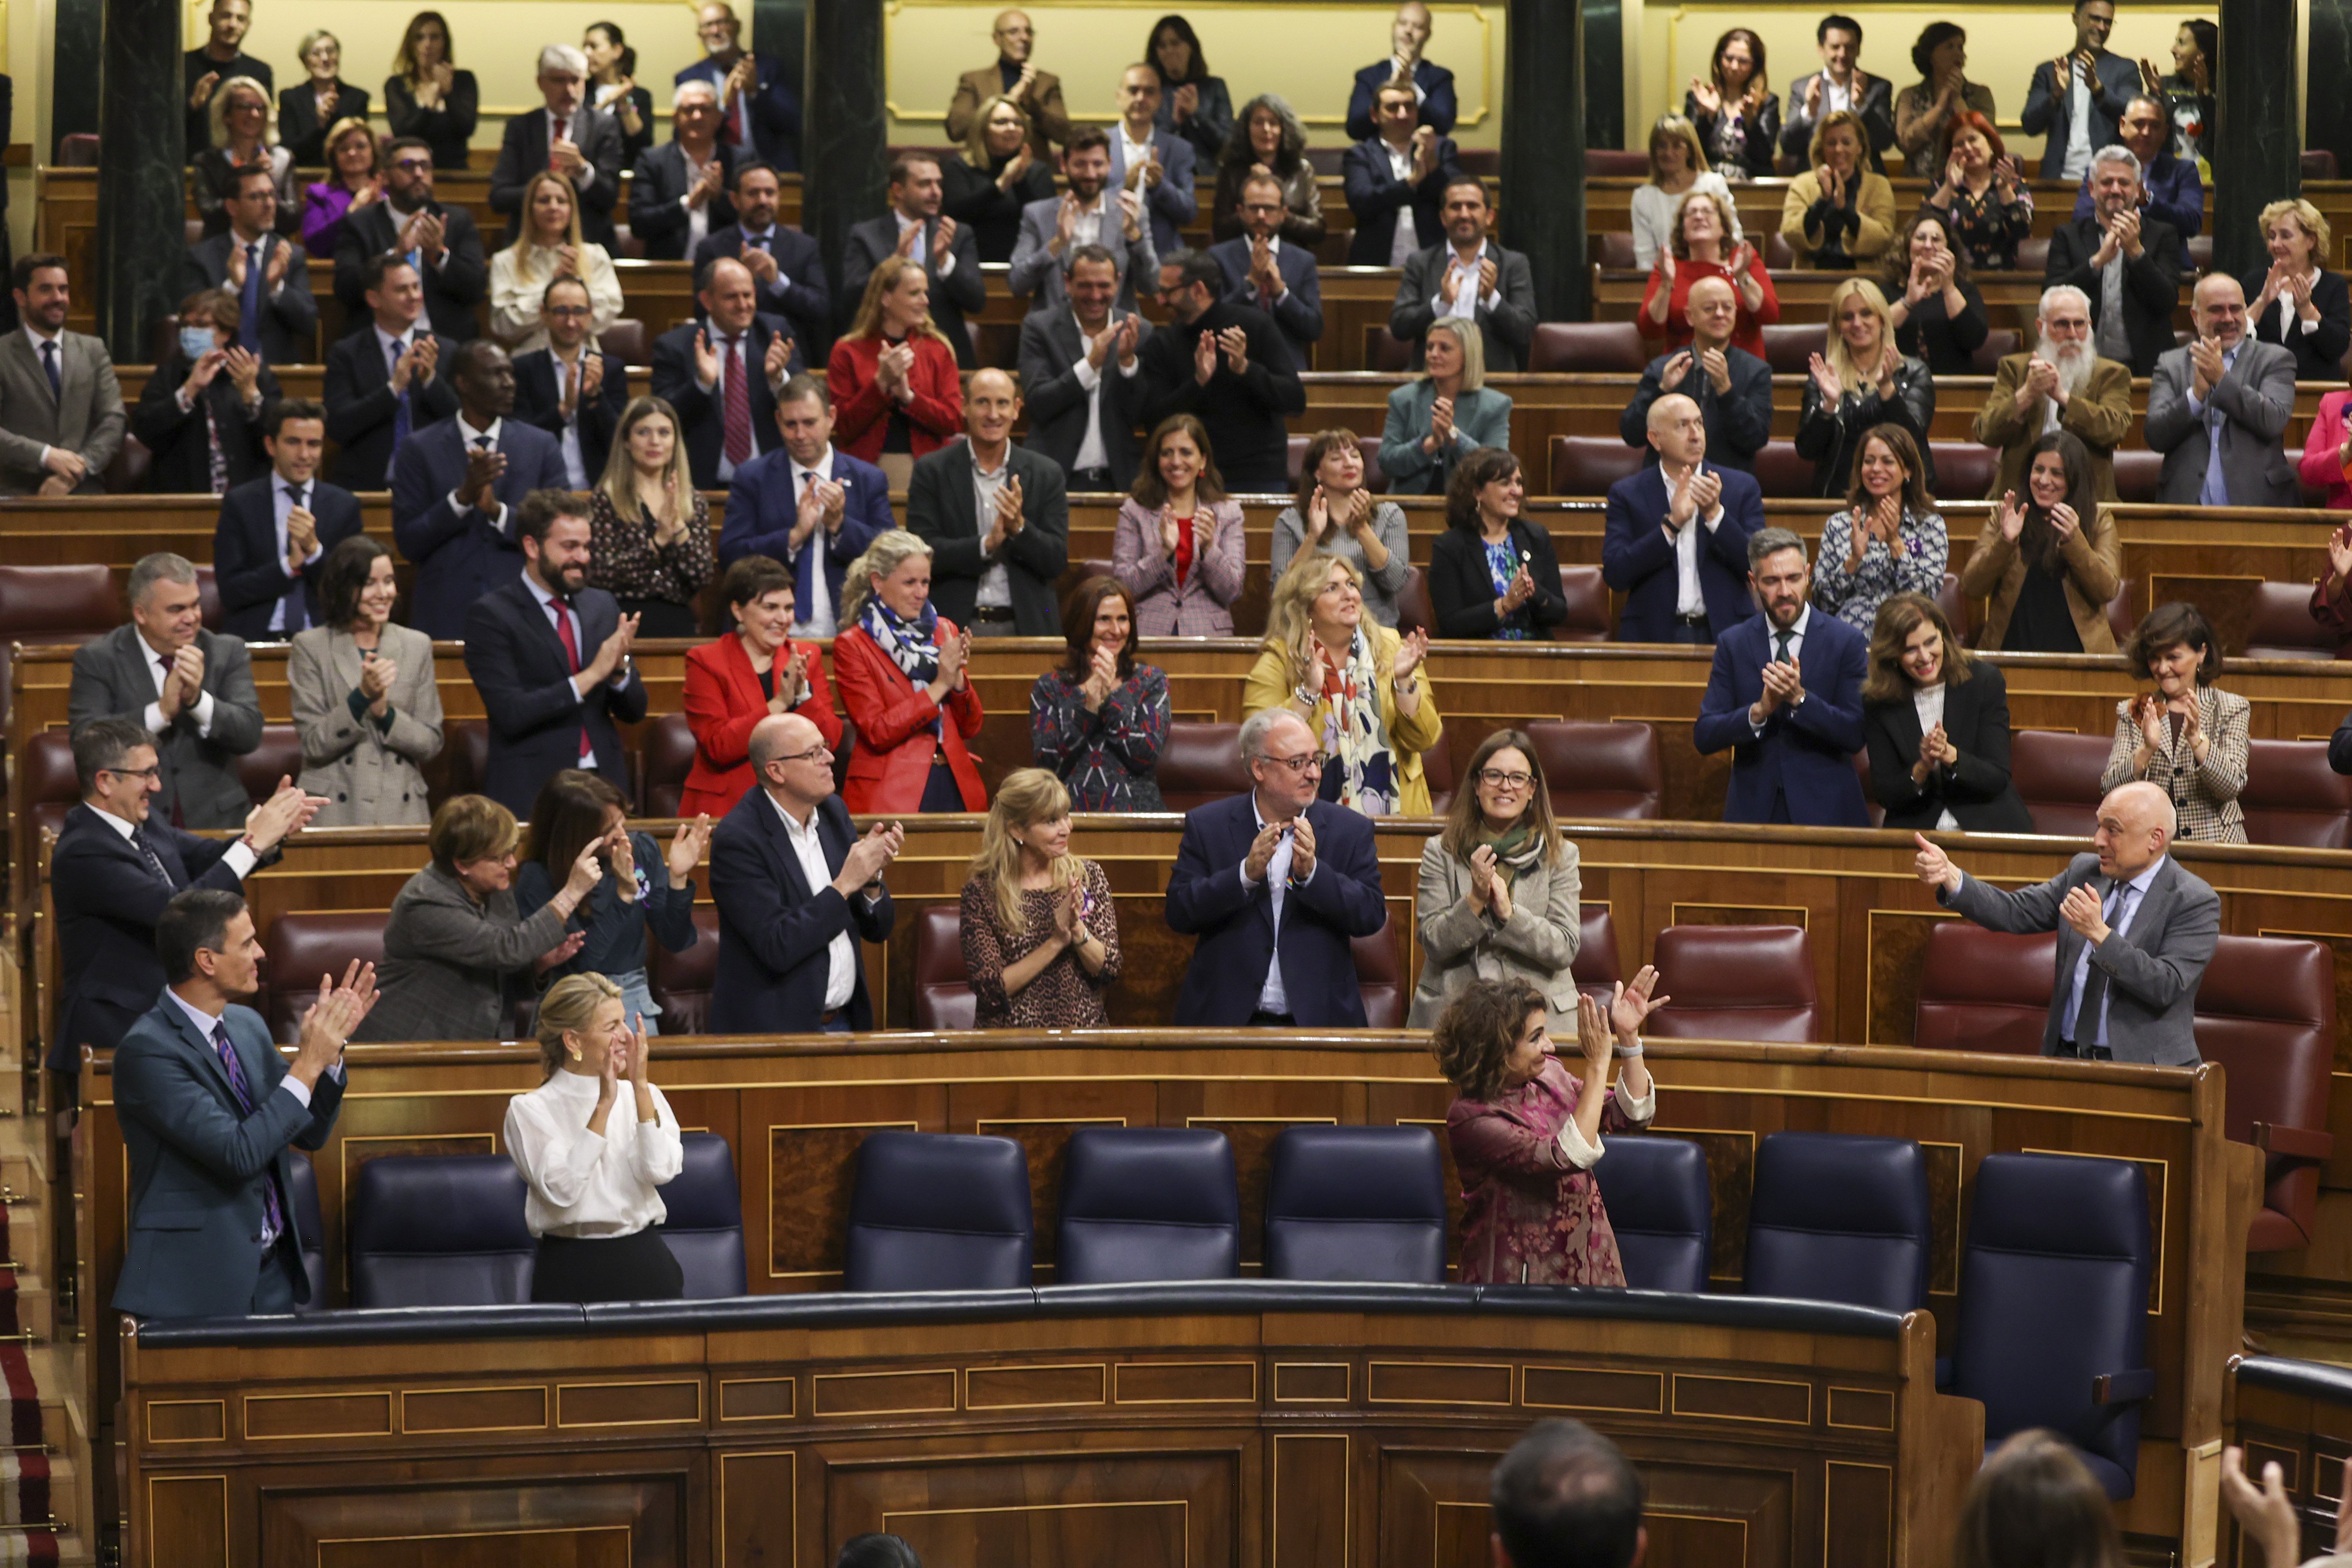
(2064, 384)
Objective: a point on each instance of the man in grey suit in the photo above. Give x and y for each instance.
(277, 319)
(1092, 212)
(997, 519)
(581, 143)
(209, 1109)
(2134, 933)
(1280, 280)
(1467, 273)
(1078, 362)
(914, 227)
(61, 417)
(2218, 409)
(191, 688)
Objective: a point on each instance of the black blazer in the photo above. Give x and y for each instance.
(299, 129)
(2318, 354)
(1375, 196)
(1462, 591)
(1831, 436)
(1738, 422)
(660, 176)
(447, 129)
(2151, 284)
(972, 197)
(1242, 414)
(246, 565)
(674, 382)
(1948, 344)
(183, 453)
(1056, 405)
(962, 293)
(523, 153)
(534, 714)
(289, 327)
(1977, 790)
(774, 930)
(943, 510)
(462, 553)
(362, 409)
(451, 289)
(805, 300)
(539, 400)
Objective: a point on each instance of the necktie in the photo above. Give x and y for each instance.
(809, 586)
(571, 654)
(248, 305)
(2090, 1014)
(563, 127)
(1780, 641)
(400, 412)
(154, 861)
(2215, 490)
(163, 662)
(49, 363)
(296, 618)
(737, 406)
(273, 1218)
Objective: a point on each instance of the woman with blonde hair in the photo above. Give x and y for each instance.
(1497, 892)
(649, 528)
(901, 668)
(1356, 683)
(594, 1203)
(1040, 931)
(1677, 167)
(312, 110)
(428, 96)
(996, 173)
(244, 136)
(354, 180)
(1443, 415)
(2298, 301)
(1864, 381)
(1840, 211)
(549, 247)
(896, 395)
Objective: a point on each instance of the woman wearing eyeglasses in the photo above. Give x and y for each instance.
(1498, 892)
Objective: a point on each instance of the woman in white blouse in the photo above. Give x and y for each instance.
(592, 1175)
(1677, 167)
(548, 247)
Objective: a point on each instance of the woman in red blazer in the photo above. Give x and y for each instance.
(733, 683)
(901, 666)
(895, 393)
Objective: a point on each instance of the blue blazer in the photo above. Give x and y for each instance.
(247, 568)
(704, 419)
(805, 300)
(1174, 202)
(198, 1163)
(1637, 561)
(462, 555)
(539, 401)
(774, 931)
(775, 111)
(1437, 104)
(1806, 753)
(525, 677)
(1235, 924)
(1375, 195)
(1299, 311)
(762, 510)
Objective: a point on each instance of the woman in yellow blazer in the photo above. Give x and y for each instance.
(1838, 214)
(1328, 661)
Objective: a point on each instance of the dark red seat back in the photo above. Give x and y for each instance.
(1380, 970)
(2294, 799)
(1588, 347)
(304, 945)
(2057, 776)
(2281, 626)
(943, 999)
(279, 756)
(1596, 769)
(667, 746)
(2266, 1013)
(1199, 764)
(1588, 605)
(1737, 983)
(1586, 466)
(1983, 989)
(681, 981)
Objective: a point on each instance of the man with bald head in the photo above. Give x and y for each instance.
(1015, 76)
(1732, 387)
(2135, 932)
(997, 518)
(1677, 540)
(723, 371)
(2218, 409)
(793, 881)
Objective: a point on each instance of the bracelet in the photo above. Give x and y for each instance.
(1306, 694)
(1623, 1052)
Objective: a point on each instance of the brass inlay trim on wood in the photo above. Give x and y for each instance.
(792, 1495)
(220, 1480)
(1656, 1406)
(976, 1375)
(219, 1435)
(253, 1401)
(790, 1386)
(1696, 1379)
(409, 1426)
(1120, 1396)
(693, 1383)
(1860, 1402)
(817, 1388)
(1347, 1488)
(1372, 1371)
(1886, 1470)
(1347, 1381)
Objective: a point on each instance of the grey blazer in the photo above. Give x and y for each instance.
(112, 679)
(1508, 325)
(1036, 273)
(1459, 945)
(369, 775)
(449, 964)
(85, 417)
(2152, 969)
(2256, 398)
(1481, 418)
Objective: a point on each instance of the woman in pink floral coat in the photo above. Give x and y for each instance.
(1526, 1132)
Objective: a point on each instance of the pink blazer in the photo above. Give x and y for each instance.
(2323, 453)
(1202, 607)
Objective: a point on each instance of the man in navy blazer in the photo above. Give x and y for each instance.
(209, 1109)
(588, 153)
(1677, 540)
(949, 251)
(786, 269)
(374, 405)
(1157, 163)
(1275, 884)
(698, 389)
(276, 316)
(1403, 169)
(1434, 84)
(1280, 280)
(796, 890)
(756, 106)
(583, 432)
(806, 504)
(274, 532)
(456, 488)
(550, 656)
(677, 192)
(1785, 698)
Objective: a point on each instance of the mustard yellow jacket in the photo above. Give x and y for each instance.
(1269, 685)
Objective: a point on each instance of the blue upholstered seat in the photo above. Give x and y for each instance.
(938, 1211)
(1142, 1203)
(439, 1230)
(1655, 1192)
(705, 1228)
(312, 1227)
(1356, 1203)
(1839, 1218)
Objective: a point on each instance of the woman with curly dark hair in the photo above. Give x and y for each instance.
(1526, 1132)
(1937, 313)
(2188, 737)
(1268, 134)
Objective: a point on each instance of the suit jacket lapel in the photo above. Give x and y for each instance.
(195, 1039)
(787, 860)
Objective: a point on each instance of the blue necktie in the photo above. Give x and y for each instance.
(400, 421)
(248, 317)
(296, 617)
(273, 1221)
(49, 363)
(2215, 490)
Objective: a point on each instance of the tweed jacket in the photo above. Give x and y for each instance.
(88, 419)
(2206, 795)
(369, 775)
(1199, 606)
(1458, 945)
(450, 964)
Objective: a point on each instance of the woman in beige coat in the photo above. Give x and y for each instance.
(1497, 892)
(365, 700)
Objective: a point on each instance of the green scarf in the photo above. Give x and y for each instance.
(1516, 850)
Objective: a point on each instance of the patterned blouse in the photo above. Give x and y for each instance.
(625, 562)
(1853, 596)
(1063, 996)
(1104, 758)
(1989, 230)
(1531, 1211)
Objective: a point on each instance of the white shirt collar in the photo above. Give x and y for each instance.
(385, 341)
(794, 828)
(206, 1023)
(121, 825)
(469, 434)
(822, 467)
(38, 338)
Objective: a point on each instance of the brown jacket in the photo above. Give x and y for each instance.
(1048, 120)
(2094, 558)
(2099, 416)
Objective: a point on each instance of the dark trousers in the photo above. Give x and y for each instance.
(1702, 634)
(273, 1283)
(637, 1267)
(940, 792)
(2085, 1053)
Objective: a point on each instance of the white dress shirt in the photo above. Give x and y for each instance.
(281, 504)
(817, 619)
(1274, 996)
(1087, 226)
(1467, 300)
(841, 952)
(995, 588)
(2290, 321)
(1408, 240)
(1092, 453)
(583, 1184)
(1689, 600)
(946, 265)
(473, 440)
(1927, 701)
(152, 715)
(697, 218)
(2119, 920)
(1133, 156)
(239, 859)
(2078, 122)
(576, 465)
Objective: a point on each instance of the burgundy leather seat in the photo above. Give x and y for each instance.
(2266, 1013)
(1607, 161)
(626, 338)
(1597, 971)
(1199, 764)
(1999, 344)
(1876, 813)
(1586, 466)
(1380, 970)
(1588, 347)
(1588, 605)
(2294, 799)
(304, 945)
(1385, 351)
(666, 747)
(209, 596)
(2138, 473)
(1964, 470)
(459, 766)
(680, 982)
(45, 787)
(1789, 346)
(1782, 475)
(2282, 627)
(943, 999)
(279, 756)
(1594, 769)
(2034, 257)
(1415, 611)
(2057, 776)
(1737, 983)
(53, 604)
(2120, 619)
(1613, 250)
(1984, 990)
(1437, 771)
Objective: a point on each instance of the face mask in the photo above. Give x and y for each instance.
(196, 343)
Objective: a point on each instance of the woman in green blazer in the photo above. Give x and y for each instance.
(1444, 416)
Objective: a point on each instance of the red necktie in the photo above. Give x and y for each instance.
(572, 653)
(562, 129)
(736, 407)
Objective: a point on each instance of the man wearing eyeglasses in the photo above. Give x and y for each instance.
(575, 393)
(114, 869)
(1275, 884)
(1260, 271)
(441, 243)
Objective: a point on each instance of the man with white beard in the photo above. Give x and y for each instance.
(2062, 384)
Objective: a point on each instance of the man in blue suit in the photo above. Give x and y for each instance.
(1274, 883)
(796, 890)
(1433, 85)
(1396, 184)
(757, 108)
(1677, 540)
(1785, 698)
(209, 1109)
(1280, 280)
(807, 505)
(275, 532)
(785, 267)
(693, 361)
(455, 487)
(1157, 163)
(551, 656)
(575, 393)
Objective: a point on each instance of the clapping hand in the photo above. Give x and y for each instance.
(244, 371)
(1719, 369)
(621, 857)
(1235, 344)
(483, 466)
(1441, 420)
(200, 374)
(273, 271)
(2340, 550)
(1705, 92)
(2012, 515)
(778, 359)
(1169, 532)
(2268, 1514)
(1631, 1004)
(870, 856)
(1412, 648)
(686, 849)
(1102, 679)
(791, 681)
(1262, 848)
(1067, 926)
(2062, 522)
(2147, 713)
(1783, 683)
(1677, 365)
(1483, 880)
(1302, 849)
(1319, 518)
(1005, 520)
(328, 1023)
(563, 951)
(943, 241)
(1833, 184)
(376, 675)
(1592, 1037)
(1205, 357)
(185, 684)
(909, 240)
(2205, 360)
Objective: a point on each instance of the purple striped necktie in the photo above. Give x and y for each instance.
(273, 1218)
